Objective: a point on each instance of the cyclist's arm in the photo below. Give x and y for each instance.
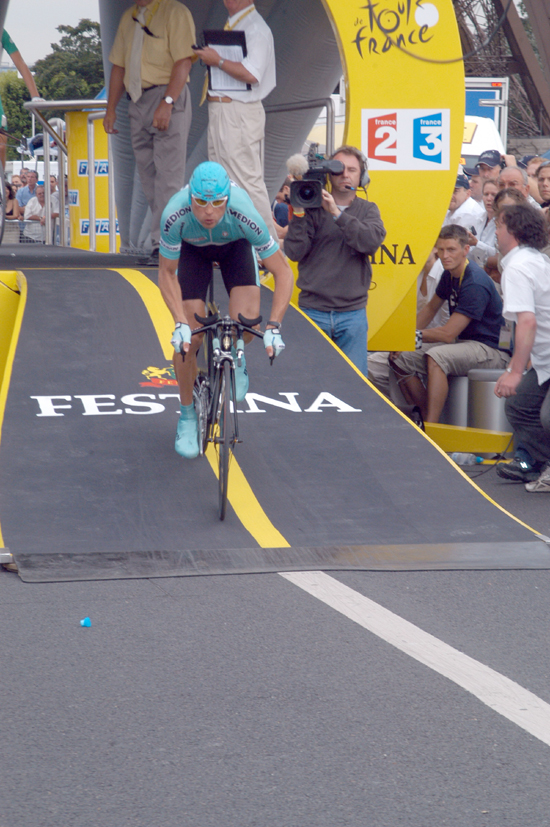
(170, 288)
(284, 284)
(25, 73)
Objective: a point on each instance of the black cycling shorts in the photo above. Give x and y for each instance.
(237, 263)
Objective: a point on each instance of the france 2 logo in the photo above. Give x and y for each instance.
(406, 139)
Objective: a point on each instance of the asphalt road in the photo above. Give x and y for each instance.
(245, 701)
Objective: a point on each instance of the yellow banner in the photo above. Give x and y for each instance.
(405, 109)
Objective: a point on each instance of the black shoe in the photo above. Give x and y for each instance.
(518, 470)
(152, 261)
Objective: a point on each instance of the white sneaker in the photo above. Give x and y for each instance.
(542, 484)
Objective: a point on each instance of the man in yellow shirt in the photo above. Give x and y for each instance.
(151, 60)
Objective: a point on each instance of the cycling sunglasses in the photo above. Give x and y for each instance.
(203, 202)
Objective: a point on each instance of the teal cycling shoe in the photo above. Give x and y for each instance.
(187, 434)
(241, 379)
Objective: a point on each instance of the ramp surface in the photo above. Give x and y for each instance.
(332, 476)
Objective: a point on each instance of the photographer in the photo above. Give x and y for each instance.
(331, 244)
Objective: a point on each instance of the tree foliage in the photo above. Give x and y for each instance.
(14, 93)
(74, 69)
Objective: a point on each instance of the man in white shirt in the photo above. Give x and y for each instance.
(236, 118)
(521, 234)
(34, 214)
(463, 210)
(517, 179)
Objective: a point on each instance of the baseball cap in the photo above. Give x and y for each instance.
(462, 181)
(491, 157)
(524, 162)
(470, 170)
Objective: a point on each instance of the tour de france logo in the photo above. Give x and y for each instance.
(405, 24)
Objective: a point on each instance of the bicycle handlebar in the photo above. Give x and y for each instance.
(243, 324)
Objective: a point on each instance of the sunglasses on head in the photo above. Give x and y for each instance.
(203, 202)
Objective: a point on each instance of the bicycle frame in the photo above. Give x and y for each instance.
(213, 391)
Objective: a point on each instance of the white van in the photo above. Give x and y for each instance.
(479, 134)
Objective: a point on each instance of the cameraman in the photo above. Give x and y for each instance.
(332, 244)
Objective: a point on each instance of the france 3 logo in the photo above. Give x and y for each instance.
(101, 226)
(100, 167)
(406, 139)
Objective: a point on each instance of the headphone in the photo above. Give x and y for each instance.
(364, 180)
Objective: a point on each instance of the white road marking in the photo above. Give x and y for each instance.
(495, 690)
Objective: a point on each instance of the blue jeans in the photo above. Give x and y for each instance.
(348, 329)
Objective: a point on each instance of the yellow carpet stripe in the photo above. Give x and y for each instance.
(156, 307)
(22, 284)
(240, 494)
(247, 507)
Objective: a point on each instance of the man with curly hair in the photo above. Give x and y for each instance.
(521, 235)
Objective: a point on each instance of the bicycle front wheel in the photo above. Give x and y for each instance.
(224, 438)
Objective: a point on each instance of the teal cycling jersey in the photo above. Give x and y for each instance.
(240, 220)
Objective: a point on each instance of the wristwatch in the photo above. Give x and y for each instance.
(169, 100)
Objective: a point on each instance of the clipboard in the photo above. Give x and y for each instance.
(230, 45)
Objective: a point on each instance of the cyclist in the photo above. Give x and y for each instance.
(211, 219)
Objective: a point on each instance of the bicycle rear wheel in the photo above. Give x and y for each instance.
(223, 439)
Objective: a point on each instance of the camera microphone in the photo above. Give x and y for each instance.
(297, 165)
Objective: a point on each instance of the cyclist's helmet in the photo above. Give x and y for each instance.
(209, 181)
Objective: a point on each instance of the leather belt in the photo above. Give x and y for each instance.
(219, 99)
(147, 88)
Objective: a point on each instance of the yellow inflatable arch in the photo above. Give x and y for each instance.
(404, 108)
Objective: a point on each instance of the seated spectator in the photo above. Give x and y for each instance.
(12, 207)
(516, 178)
(543, 184)
(378, 361)
(463, 209)
(34, 213)
(485, 245)
(470, 338)
(521, 234)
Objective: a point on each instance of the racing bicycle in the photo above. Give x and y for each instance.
(214, 391)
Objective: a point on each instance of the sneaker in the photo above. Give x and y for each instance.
(187, 435)
(152, 260)
(241, 380)
(518, 470)
(542, 484)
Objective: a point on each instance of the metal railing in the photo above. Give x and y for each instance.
(98, 111)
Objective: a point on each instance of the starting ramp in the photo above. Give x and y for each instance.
(329, 475)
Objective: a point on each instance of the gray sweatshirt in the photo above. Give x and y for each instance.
(334, 271)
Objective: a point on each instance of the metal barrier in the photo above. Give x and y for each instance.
(98, 111)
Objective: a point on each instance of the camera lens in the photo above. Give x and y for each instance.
(308, 193)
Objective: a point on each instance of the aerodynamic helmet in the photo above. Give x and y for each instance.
(209, 181)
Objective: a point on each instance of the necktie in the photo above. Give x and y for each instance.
(134, 69)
